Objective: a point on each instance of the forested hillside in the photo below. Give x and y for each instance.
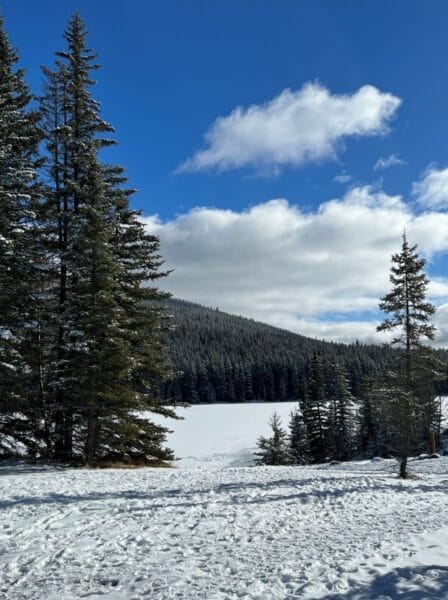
(225, 358)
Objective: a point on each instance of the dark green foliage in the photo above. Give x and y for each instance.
(316, 409)
(406, 302)
(409, 400)
(342, 416)
(226, 358)
(325, 424)
(274, 450)
(109, 356)
(20, 255)
(81, 319)
(373, 434)
(76, 195)
(298, 439)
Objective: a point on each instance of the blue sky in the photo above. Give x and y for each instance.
(171, 68)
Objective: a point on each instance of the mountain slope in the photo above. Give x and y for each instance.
(226, 358)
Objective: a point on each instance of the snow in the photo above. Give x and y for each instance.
(444, 411)
(346, 531)
(219, 435)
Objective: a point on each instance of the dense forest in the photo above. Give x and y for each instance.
(227, 358)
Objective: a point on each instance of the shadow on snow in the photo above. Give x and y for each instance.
(405, 583)
(239, 493)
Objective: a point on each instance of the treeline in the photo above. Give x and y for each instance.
(323, 427)
(225, 358)
(80, 314)
(397, 413)
(330, 424)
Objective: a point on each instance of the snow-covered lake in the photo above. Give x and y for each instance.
(216, 435)
(349, 531)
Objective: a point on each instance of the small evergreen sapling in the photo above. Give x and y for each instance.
(274, 450)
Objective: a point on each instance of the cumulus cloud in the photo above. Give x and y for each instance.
(432, 190)
(294, 128)
(342, 178)
(391, 161)
(318, 273)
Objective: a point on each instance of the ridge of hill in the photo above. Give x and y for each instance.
(229, 358)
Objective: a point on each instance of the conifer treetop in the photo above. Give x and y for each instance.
(406, 302)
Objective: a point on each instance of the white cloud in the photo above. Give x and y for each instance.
(391, 161)
(319, 273)
(342, 178)
(432, 190)
(441, 323)
(294, 128)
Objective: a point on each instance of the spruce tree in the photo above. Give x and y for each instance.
(74, 134)
(19, 254)
(315, 409)
(146, 320)
(109, 358)
(372, 428)
(409, 319)
(298, 439)
(274, 450)
(342, 422)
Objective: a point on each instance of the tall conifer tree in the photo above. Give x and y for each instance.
(19, 250)
(109, 355)
(342, 422)
(315, 408)
(298, 439)
(409, 319)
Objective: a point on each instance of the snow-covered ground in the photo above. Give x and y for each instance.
(350, 531)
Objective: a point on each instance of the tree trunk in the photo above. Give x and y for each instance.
(403, 467)
(92, 439)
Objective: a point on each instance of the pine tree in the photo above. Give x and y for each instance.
(274, 450)
(19, 254)
(409, 318)
(298, 439)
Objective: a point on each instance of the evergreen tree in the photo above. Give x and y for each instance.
(409, 319)
(19, 252)
(316, 410)
(143, 303)
(274, 450)
(298, 439)
(109, 359)
(342, 429)
(372, 434)
(74, 134)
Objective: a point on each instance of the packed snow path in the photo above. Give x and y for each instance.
(348, 531)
